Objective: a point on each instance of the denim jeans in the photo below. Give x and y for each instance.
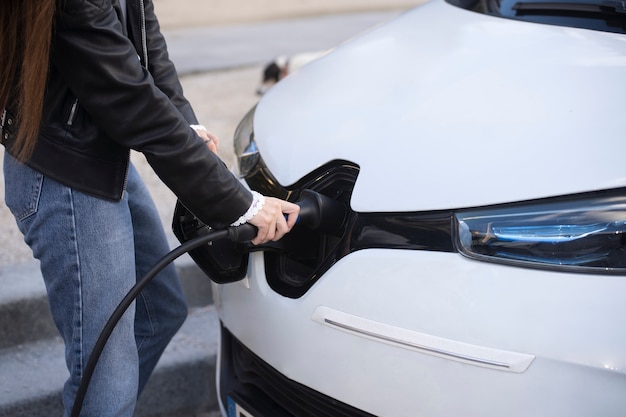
(91, 253)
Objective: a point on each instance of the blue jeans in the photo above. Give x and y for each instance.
(92, 252)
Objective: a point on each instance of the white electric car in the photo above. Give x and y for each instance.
(476, 265)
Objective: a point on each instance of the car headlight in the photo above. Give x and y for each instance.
(246, 150)
(586, 234)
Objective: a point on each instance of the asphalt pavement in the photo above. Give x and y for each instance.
(208, 49)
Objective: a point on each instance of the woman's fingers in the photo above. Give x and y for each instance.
(274, 220)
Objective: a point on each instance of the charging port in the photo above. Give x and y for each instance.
(298, 259)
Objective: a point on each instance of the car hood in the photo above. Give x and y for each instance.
(445, 108)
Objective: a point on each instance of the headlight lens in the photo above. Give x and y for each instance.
(586, 234)
(246, 150)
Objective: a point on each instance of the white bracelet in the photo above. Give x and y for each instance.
(199, 127)
(258, 201)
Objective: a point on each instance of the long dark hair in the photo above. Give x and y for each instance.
(25, 35)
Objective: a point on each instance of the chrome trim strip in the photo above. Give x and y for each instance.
(424, 343)
(418, 346)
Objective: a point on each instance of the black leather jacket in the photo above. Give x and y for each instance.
(112, 88)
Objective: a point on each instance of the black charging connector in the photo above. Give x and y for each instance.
(317, 212)
(322, 213)
(242, 234)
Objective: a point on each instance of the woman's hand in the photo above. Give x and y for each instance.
(271, 222)
(212, 141)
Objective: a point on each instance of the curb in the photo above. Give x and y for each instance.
(32, 366)
(24, 313)
(183, 384)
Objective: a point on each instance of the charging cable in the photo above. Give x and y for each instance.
(243, 233)
(317, 212)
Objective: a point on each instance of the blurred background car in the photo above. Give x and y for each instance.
(465, 163)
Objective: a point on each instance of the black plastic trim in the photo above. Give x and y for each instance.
(265, 392)
(296, 262)
(305, 255)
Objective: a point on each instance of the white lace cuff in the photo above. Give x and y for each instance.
(198, 127)
(258, 201)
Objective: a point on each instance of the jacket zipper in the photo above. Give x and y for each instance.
(144, 46)
(144, 36)
(70, 119)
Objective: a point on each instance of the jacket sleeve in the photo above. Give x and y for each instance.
(100, 65)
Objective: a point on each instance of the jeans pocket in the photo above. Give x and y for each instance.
(22, 188)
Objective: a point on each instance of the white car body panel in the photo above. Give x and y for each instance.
(579, 366)
(521, 94)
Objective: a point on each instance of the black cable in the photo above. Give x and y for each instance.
(243, 233)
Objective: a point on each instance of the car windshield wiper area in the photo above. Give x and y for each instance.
(605, 7)
(603, 15)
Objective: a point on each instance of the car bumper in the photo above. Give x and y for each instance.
(436, 334)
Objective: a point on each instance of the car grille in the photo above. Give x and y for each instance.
(264, 392)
